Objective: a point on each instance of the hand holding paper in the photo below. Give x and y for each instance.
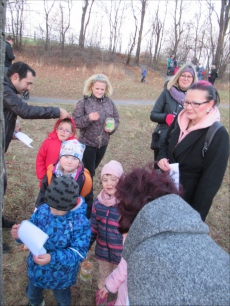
(175, 173)
(33, 237)
(24, 138)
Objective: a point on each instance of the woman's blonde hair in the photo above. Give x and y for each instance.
(175, 79)
(97, 78)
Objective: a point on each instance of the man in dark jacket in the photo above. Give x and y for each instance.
(19, 78)
(9, 56)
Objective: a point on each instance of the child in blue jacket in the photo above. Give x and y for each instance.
(69, 236)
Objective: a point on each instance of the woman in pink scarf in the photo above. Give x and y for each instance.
(200, 176)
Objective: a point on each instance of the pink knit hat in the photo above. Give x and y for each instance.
(113, 167)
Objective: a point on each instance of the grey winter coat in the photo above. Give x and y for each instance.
(13, 106)
(92, 132)
(172, 260)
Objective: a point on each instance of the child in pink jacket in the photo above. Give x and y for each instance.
(117, 282)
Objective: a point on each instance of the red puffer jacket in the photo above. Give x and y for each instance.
(49, 151)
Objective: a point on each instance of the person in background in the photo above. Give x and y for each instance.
(143, 74)
(194, 61)
(97, 118)
(169, 103)
(69, 237)
(200, 70)
(104, 225)
(49, 152)
(200, 176)
(170, 65)
(171, 258)
(213, 75)
(9, 56)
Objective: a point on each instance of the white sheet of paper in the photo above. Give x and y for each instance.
(175, 173)
(33, 237)
(24, 138)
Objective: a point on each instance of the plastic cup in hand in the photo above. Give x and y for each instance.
(86, 271)
(110, 124)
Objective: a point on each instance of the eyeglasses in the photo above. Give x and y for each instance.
(184, 76)
(64, 131)
(193, 104)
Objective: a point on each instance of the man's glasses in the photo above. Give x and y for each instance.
(64, 131)
(193, 104)
(184, 76)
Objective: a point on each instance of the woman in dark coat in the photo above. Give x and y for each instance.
(169, 104)
(200, 176)
(213, 75)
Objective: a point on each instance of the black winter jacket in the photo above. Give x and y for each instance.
(13, 106)
(9, 56)
(200, 177)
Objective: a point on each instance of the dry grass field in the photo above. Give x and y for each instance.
(129, 145)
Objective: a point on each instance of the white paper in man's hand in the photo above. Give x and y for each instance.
(24, 138)
(175, 173)
(33, 237)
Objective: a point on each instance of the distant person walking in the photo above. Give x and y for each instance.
(200, 70)
(9, 56)
(170, 65)
(213, 75)
(143, 73)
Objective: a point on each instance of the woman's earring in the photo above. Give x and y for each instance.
(208, 110)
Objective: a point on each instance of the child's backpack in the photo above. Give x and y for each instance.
(87, 186)
(203, 72)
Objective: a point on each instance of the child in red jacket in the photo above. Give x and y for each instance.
(49, 151)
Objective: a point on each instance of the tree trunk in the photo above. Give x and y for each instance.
(143, 7)
(83, 24)
(2, 60)
(223, 24)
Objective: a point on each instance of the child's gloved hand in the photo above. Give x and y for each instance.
(169, 119)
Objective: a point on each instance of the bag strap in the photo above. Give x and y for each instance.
(49, 173)
(209, 136)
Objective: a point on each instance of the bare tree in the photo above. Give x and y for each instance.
(16, 9)
(143, 10)
(84, 24)
(2, 60)
(65, 21)
(132, 39)
(48, 5)
(157, 34)
(115, 12)
(223, 21)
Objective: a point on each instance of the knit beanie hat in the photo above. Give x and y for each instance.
(73, 148)
(188, 69)
(62, 193)
(113, 167)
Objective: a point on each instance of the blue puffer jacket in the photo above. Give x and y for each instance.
(68, 243)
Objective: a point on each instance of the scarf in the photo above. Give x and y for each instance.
(105, 199)
(177, 95)
(58, 172)
(208, 120)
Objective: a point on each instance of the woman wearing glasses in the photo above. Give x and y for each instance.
(168, 104)
(97, 118)
(200, 176)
